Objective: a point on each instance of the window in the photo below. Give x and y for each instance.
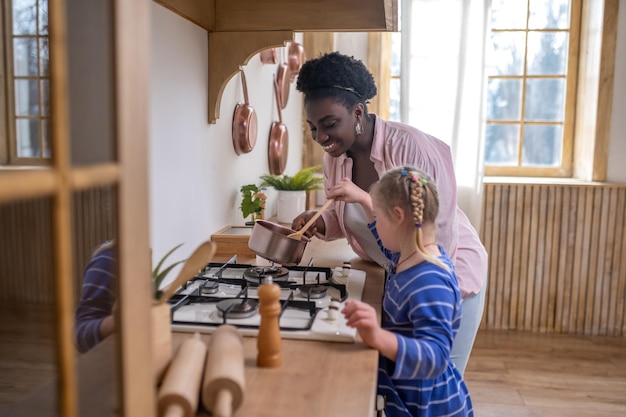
(531, 74)
(560, 56)
(26, 92)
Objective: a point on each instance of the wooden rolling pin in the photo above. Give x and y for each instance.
(224, 382)
(178, 395)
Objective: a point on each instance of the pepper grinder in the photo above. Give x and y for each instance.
(268, 342)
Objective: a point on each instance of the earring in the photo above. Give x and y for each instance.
(358, 128)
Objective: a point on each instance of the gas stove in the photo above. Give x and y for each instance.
(310, 298)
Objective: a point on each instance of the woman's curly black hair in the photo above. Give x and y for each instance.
(333, 75)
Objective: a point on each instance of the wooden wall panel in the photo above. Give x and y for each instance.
(557, 258)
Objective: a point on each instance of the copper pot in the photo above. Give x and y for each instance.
(269, 56)
(269, 240)
(245, 124)
(295, 59)
(284, 79)
(279, 140)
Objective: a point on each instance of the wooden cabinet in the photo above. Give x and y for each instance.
(98, 49)
(255, 25)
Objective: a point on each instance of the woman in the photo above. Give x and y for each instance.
(359, 148)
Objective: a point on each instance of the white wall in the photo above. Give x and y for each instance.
(195, 174)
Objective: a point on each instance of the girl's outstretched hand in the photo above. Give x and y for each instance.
(362, 316)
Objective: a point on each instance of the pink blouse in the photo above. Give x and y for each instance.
(397, 144)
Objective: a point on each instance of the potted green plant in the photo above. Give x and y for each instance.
(292, 191)
(161, 327)
(252, 202)
(160, 271)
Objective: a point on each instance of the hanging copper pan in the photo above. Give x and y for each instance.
(279, 139)
(295, 59)
(284, 80)
(269, 56)
(244, 123)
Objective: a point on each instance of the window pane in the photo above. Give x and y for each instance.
(509, 14)
(394, 99)
(45, 98)
(545, 100)
(504, 99)
(396, 52)
(27, 131)
(24, 17)
(505, 56)
(501, 144)
(542, 145)
(43, 57)
(25, 57)
(45, 128)
(26, 98)
(549, 14)
(547, 53)
(43, 17)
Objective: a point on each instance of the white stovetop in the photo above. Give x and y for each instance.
(323, 328)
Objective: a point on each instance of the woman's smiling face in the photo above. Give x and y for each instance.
(332, 125)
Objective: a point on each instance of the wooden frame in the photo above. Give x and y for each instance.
(233, 240)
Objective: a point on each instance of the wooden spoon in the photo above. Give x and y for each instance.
(298, 235)
(198, 259)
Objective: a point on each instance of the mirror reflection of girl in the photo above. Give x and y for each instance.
(421, 309)
(94, 313)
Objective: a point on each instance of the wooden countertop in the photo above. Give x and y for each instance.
(315, 379)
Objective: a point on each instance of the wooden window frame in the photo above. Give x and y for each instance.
(565, 168)
(8, 146)
(595, 59)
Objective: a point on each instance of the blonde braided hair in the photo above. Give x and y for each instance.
(412, 190)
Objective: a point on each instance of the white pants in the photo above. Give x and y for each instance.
(473, 306)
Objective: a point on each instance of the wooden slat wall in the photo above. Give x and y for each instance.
(26, 269)
(557, 258)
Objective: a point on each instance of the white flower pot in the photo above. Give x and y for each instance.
(289, 204)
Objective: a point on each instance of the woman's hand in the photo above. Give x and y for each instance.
(302, 219)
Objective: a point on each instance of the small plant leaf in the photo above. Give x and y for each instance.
(161, 276)
(157, 269)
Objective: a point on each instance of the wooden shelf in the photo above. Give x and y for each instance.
(238, 29)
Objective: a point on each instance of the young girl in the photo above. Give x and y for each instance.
(422, 301)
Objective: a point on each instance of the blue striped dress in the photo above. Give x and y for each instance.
(422, 306)
(96, 299)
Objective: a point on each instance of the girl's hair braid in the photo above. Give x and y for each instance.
(414, 191)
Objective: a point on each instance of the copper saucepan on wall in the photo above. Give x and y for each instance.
(284, 82)
(279, 140)
(295, 59)
(245, 124)
(269, 56)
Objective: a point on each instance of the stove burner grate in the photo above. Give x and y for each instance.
(256, 274)
(236, 308)
(312, 291)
